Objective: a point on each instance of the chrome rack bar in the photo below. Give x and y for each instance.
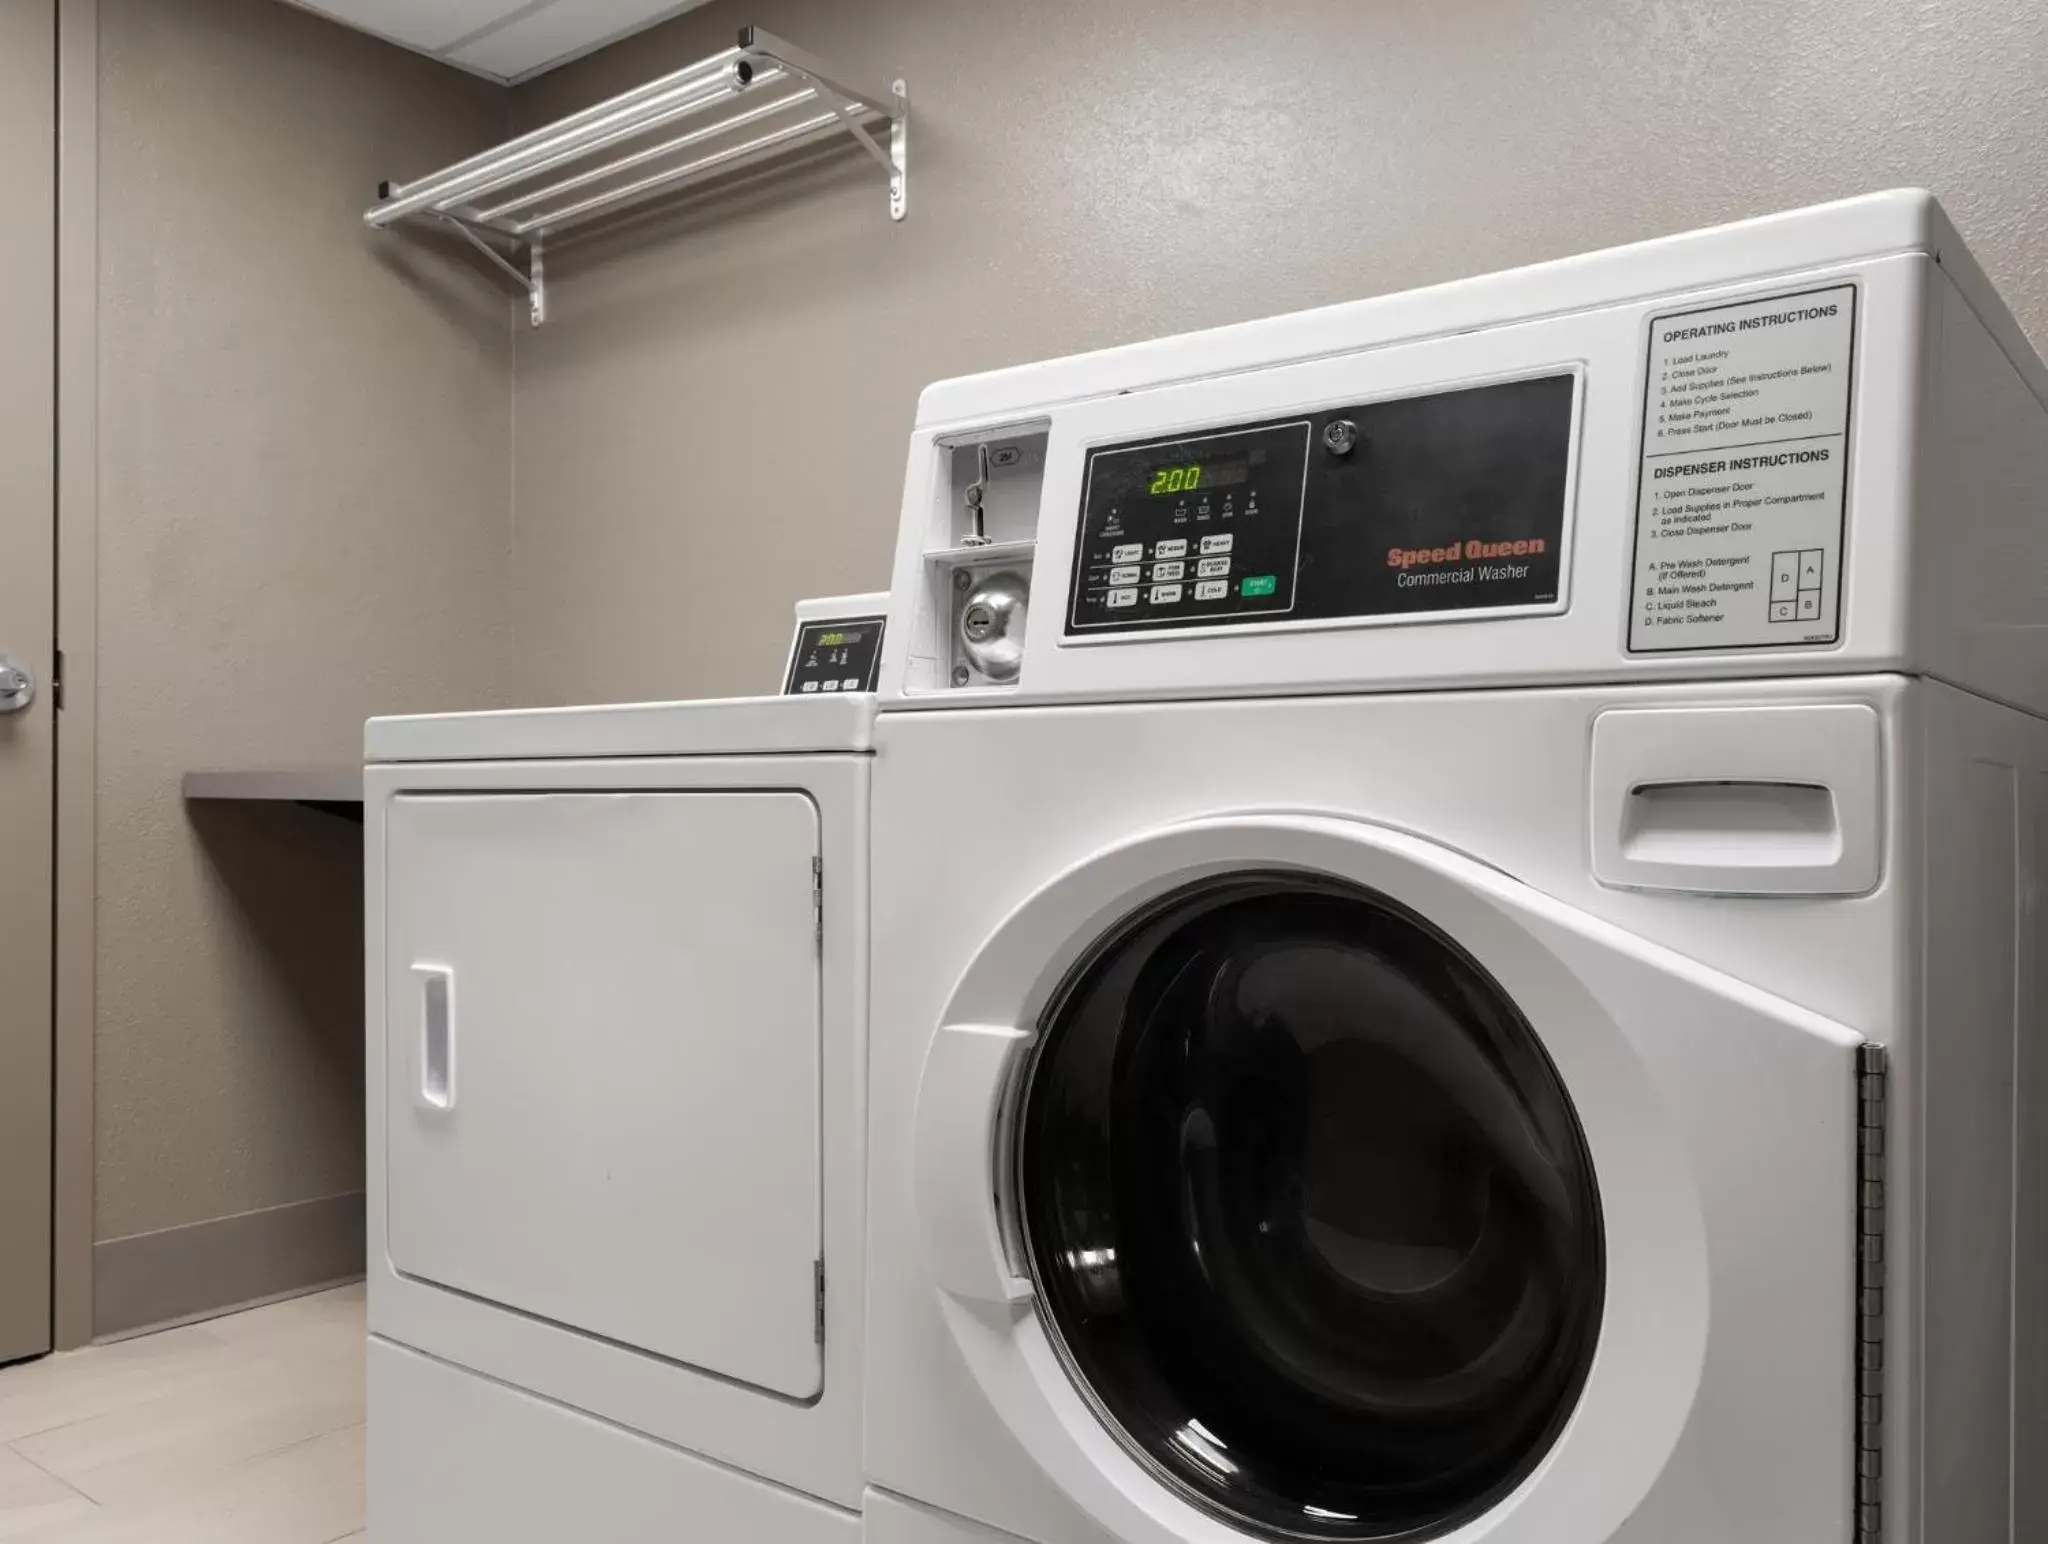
(893, 105)
(667, 147)
(499, 196)
(577, 120)
(661, 182)
(586, 130)
(684, 102)
(758, 44)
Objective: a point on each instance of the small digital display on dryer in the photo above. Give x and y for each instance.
(841, 655)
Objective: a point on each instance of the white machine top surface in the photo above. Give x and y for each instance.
(1899, 220)
(732, 726)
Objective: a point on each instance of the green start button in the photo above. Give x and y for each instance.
(1257, 584)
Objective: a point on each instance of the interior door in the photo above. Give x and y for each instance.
(603, 1087)
(28, 38)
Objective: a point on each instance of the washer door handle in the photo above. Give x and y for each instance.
(954, 1155)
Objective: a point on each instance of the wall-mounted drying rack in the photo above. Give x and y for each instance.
(653, 140)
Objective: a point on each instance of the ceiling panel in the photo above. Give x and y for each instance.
(539, 37)
(504, 40)
(425, 25)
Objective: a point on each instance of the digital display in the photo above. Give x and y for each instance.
(837, 656)
(1193, 476)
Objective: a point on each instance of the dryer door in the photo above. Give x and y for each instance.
(1353, 1191)
(602, 1071)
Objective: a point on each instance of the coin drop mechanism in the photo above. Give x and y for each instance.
(984, 564)
(992, 622)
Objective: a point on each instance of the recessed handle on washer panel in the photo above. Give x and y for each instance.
(1728, 823)
(437, 1036)
(1758, 800)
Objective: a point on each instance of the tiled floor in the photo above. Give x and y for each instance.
(246, 1430)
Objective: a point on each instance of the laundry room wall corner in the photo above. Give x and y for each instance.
(303, 495)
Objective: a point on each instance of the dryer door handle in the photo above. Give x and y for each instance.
(437, 1037)
(954, 1153)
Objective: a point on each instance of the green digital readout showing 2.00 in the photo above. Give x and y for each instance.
(834, 640)
(1193, 476)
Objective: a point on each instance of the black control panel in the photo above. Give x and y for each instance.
(841, 655)
(1205, 528)
(1448, 501)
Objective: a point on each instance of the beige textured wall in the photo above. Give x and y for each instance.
(305, 441)
(311, 439)
(715, 423)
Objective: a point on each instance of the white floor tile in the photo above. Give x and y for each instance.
(240, 1431)
(309, 1494)
(31, 1499)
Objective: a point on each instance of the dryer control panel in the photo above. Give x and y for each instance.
(1452, 501)
(839, 654)
(837, 646)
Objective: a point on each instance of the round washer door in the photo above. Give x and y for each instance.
(1307, 1209)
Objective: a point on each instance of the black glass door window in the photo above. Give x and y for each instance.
(1309, 1213)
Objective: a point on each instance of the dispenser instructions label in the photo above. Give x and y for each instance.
(1745, 459)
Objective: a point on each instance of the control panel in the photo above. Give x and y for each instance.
(1201, 528)
(1448, 501)
(835, 654)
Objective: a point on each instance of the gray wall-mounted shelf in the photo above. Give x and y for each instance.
(332, 790)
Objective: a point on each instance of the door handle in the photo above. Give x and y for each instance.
(953, 1145)
(17, 686)
(437, 1036)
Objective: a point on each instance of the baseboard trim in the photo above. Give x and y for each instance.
(177, 1275)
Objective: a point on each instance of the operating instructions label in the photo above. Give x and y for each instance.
(1745, 459)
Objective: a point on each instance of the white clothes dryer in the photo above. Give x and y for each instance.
(1458, 940)
(616, 1001)
(455, 1456)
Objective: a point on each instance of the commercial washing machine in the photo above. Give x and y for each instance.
(1458, 942)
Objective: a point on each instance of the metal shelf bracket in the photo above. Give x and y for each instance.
(899, 153)
(533, 280)
(506, 202)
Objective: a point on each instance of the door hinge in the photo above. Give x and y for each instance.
(818, 903)
(818, 1278)
(57, 682)
(1873, 1070)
